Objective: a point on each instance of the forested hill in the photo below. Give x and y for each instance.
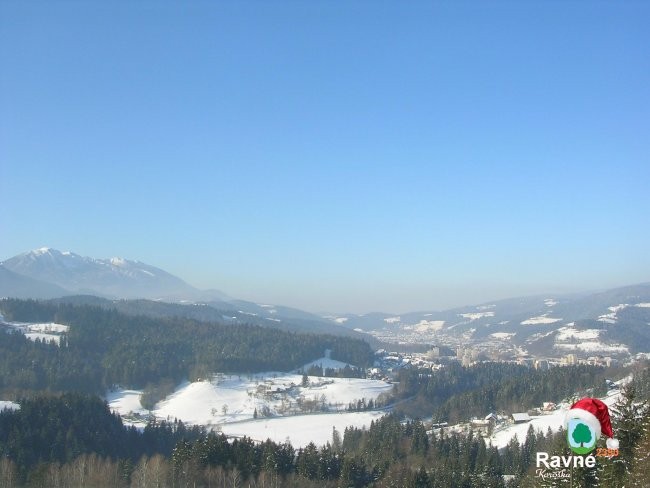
(105, 347)
(228, 313)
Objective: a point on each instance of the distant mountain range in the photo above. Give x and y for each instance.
(59, 273)
(614, 322)
(139, 288)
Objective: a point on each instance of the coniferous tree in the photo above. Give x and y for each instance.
(628, 429)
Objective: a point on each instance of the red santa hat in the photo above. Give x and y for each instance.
(595, 414)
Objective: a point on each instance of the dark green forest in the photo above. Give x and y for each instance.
(74, 440)
(104, 348)
(457, 393)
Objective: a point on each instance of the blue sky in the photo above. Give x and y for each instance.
(340, 156)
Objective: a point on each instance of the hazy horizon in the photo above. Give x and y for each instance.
(333, 157)
(445, 298)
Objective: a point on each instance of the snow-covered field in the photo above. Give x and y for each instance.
(46, 332)
(301, 430)
(428, 325)
(476, 315)
(542, 319)
(284, 408)
(568, 333)
(595, 346)
(503, 335)
(8, 405)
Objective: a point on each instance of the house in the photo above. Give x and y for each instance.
(520, 418)
(480, 426)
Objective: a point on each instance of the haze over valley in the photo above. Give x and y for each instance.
(324, 244)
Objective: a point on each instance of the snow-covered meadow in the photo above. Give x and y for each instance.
(46, 332)
(7, 405)
(274, 405)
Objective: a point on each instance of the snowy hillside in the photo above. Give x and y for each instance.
(239, 404)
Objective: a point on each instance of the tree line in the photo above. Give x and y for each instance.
(74, 440)
(104, 347)
(456, 393)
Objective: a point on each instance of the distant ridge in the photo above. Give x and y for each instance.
(18, 286)
(112, 278)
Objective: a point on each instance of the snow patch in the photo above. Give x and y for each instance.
(426, 325)
(541, 319)
(608, 318)
(539, 335)
(594, 346)
(126, 402)
(503, 335)
(6, 405)
(119, 262)
(568, 333)
(476, 315)
(392, 320)
(325, 363)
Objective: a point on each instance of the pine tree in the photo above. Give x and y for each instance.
(627, 426)
(336, 440)
(641, 472)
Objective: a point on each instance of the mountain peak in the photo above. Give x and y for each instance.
(116, 261)
(114, 277)
(48, 250)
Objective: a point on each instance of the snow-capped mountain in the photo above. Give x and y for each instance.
(114, 277)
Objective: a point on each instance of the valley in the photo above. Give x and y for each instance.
(325, 396)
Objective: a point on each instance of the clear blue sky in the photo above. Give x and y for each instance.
(341, 156)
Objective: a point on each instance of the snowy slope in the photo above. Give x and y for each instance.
(229, 403)
(303, 429)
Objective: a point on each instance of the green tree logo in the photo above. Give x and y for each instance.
(581, 437)
(582, 434)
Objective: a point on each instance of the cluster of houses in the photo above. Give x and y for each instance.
(486, 426)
